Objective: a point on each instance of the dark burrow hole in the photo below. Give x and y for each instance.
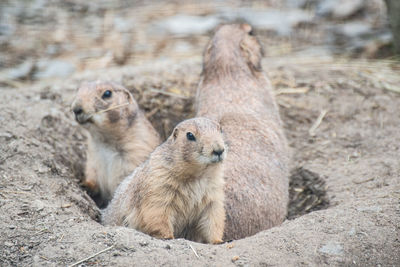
(307, 193)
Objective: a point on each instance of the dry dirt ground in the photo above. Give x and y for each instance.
(341, 118)
(47, 219)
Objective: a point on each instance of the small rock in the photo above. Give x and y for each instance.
(39, 205)
(182, 47)
(53, 68)
(143, 243)
(8, 244)
(7, 136)
(332, 248)
(168, 246)
(353, 29)
(6, 29)
(352, 231)
(12, 227)
(187, 25)
(296, 3)
(279, 21)
(42, 169)
(339, 9)
(325, 8)
(370, 209)
(347, 8)
(123, 25)
(22, 71)
(235, 258)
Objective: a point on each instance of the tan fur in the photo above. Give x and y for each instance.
(234, 91)
(179, 191)
(119, 139)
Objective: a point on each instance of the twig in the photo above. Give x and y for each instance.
(168, 93)
(42, 231)
(15, 192)
(111, 108)
(301, 90)
(195, 253)
(283, 103)
(92, 256)
(317, 122)
(12, 83)
(390, 87)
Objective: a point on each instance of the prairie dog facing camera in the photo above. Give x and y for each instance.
(179, 190)
(120, 137)
(235, 92)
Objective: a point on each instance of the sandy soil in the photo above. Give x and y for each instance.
(47, 219)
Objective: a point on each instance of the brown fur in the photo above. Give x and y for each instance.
(179, 191)
(234, 91)
(119, 139)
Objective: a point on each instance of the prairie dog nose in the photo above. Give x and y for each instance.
(77, 110)
(218, 151)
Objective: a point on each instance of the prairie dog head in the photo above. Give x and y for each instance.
(198, 142)
(103, 105)
(233, 43)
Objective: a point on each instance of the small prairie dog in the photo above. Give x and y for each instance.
(120, 137)
(179, 190)
(234, 91)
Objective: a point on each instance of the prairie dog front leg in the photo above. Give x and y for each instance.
(212, 223)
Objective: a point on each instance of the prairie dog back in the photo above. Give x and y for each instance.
(234, 91)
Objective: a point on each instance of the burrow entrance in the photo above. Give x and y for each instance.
(307, 189)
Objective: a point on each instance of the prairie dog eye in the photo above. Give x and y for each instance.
(106, 94)
(190, 136)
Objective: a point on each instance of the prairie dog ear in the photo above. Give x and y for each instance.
(206, 55)
(129, 96)
(175, 133)
(252, 52)
(246, 27)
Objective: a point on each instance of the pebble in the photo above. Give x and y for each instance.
(280, 21)
(8, 244)
(184, 25)
(353, 29)
(370, 209)
(143, 243)
(53, 68)
(339, 9)
(332, 248)
(22, 71)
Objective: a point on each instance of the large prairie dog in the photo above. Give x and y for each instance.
(120, 137)
(179, 190)
(234, 91)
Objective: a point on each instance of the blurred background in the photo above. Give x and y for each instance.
(42, 39)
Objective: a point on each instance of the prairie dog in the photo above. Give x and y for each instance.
(234, 91)
(179, 190)
(120, 137)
